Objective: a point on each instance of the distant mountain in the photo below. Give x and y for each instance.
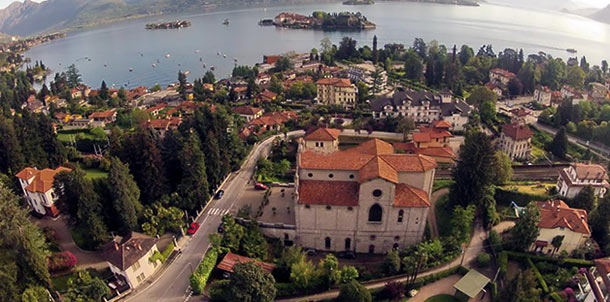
(29, 18)
(556, 5)
(602, 15)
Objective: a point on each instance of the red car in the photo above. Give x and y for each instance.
(260, 186)
(193, 228)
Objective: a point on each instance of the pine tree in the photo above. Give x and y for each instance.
(375, 51)
(54, 149)
(525, 231)
(182, 84)
(125, 195)
(104, 91)
(193, 187)
(585, 199)
(11, 155)
(473, 172)
(559, 145)
(170, 150)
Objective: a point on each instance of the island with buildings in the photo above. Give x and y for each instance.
(169, 25)
(324, 21)
(358, 2)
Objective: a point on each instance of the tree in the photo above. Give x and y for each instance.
(73, 76)
(420, 47)
(559, 145)
(525, 231)
(414, 68)
(182, 84)
(515, 87)
(23, 249)
(585, 199)
(348, 274)
(354, 292)
(282, 64)
(11, 154)
(502, 168)
(125, 196)
(85, 287)
(487, 111)
(193, 186)
(522, 288)
(104, 91)
(600, 224)
(466, 53)
(347, 49)
(35, 294)
(208, 77)
(375, 52)
(556, 243)
(303, 274)
(330, 270)
(160, 218)
(604, 66)
(253, 244)
(473, 172)
(575, 77)
(553, 73)
(391, 264)
(233, 233)
(250, 283)
(480, 95)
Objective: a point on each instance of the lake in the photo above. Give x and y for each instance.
(109, 52)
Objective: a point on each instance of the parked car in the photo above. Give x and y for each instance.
(260, 186)
(219, 194)
(346, 255)
(193, 228)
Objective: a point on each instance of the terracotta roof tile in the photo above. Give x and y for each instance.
(334, 193)
(517, 132)
(230, 260)
(444, 152)
(377, 168)
(410, 197)
(373, 147)
(339, 82)
(323, 134)
(592, 171)
(247, 110)
(103, 114)
(556, 213)
(43, 179)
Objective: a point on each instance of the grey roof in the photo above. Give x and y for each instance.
(456, 107)
(415, 98)
(472, 283)
(124, 252)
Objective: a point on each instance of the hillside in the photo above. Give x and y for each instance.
(602, 15)
(30, 18)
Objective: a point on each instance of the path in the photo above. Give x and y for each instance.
(86, 259)
(596, 148)
(474, 248)
(432, 213)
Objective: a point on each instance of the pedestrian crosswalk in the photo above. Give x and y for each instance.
(218, 212)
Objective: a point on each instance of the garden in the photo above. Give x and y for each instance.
(279, 167)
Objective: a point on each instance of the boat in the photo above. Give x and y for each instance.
(224, 56)
(212, 68)
(218, 53)
(265, 22)
(154, 65)
(225, 22)
(130, 69)
(168, 55)
(187, 72)
(571, 50)
(203, 65)
(197, 51)
(235, 59)
(200, 59)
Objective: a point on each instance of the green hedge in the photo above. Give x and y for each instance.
(543, 285)
(200, 277)
(565, 262)
(504, 197)
(162, 256)
(503, 263)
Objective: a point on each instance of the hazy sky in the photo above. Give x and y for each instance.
(584, 3)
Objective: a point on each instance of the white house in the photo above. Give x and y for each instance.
(572, 179)
(129, 258)
(37, 186)
(543, 95)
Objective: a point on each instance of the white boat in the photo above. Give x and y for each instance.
(197, 51)
(224, 56)
(168, 55)
(154, 65)
(187, 72)
(218, 53)
(130, 69)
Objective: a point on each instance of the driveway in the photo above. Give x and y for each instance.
(432, 213)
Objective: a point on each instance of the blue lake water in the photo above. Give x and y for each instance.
(127, 45)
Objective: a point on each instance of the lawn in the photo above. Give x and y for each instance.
(441, 184)
(442, 298)
(94, 173)
(443, 215)
(65, 136)
(531, 188)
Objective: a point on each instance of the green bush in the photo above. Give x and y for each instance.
(556, 297)
(563, 262)
(483, 259)
(162, 256)
(493, 290)
(543, 285)
(503, 263)
(200, 277)
(505, 197)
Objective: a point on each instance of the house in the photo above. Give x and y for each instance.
(248, 112)
(499, 75)
(76, 93)
(34, 105)
(81, 123)
(421, 106)
(272, 121)
(572, 179)
(262, 79)
(364, 73)
(558, 220)
(240, 92)
(161, 126)
(129, 258)
(267, 96)
(271, 59)
(323, 140)
(337, 92)
(230, 260)
(366, 199)
(155, 110)
(496, 88)
(37, 186)
(515, 140)
(599, 92)
(100, 119)
(570, 93)
(597, 285)
(432, 142)
(457, 113)
(543, 95)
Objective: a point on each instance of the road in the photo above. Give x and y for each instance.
(173, 284)
(521, 172)
(596, 148)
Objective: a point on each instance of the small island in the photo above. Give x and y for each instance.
(324, 21)
(358, 2)
(169, 25)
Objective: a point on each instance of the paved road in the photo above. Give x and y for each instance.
(535, 172)
(173, 284)
(474, 248)
(432, 213)
(596, 148)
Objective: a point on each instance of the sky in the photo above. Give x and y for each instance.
(584, 3)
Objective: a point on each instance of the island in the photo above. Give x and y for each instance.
(169, 25)
(324, 21)
(358, 2)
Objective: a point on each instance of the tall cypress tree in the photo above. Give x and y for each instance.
(11, 155)
(125, 195)
(559, 144)
(55, 150)
(170, 149)
(146, 165)
(193, 187)
(473, 172)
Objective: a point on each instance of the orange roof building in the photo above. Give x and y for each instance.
(574, 178)
(337, 91)
(557, 219)
(515, 141)
(366, 199)
(37, 186)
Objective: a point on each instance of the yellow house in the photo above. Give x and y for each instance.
(129, 258)
(558, 220)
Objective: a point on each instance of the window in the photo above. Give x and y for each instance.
(371, 249)
(310, 174)
(140, 277)
(307, 206)
(327, 243)
(136, 266)
(348, 243)
(351, 176)
(395, 246)
(375, 213)
(377, 193)
(350, 208)
(396, 238)
(328, 207)
(401, 214)
(373, 237)
(331, 175)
